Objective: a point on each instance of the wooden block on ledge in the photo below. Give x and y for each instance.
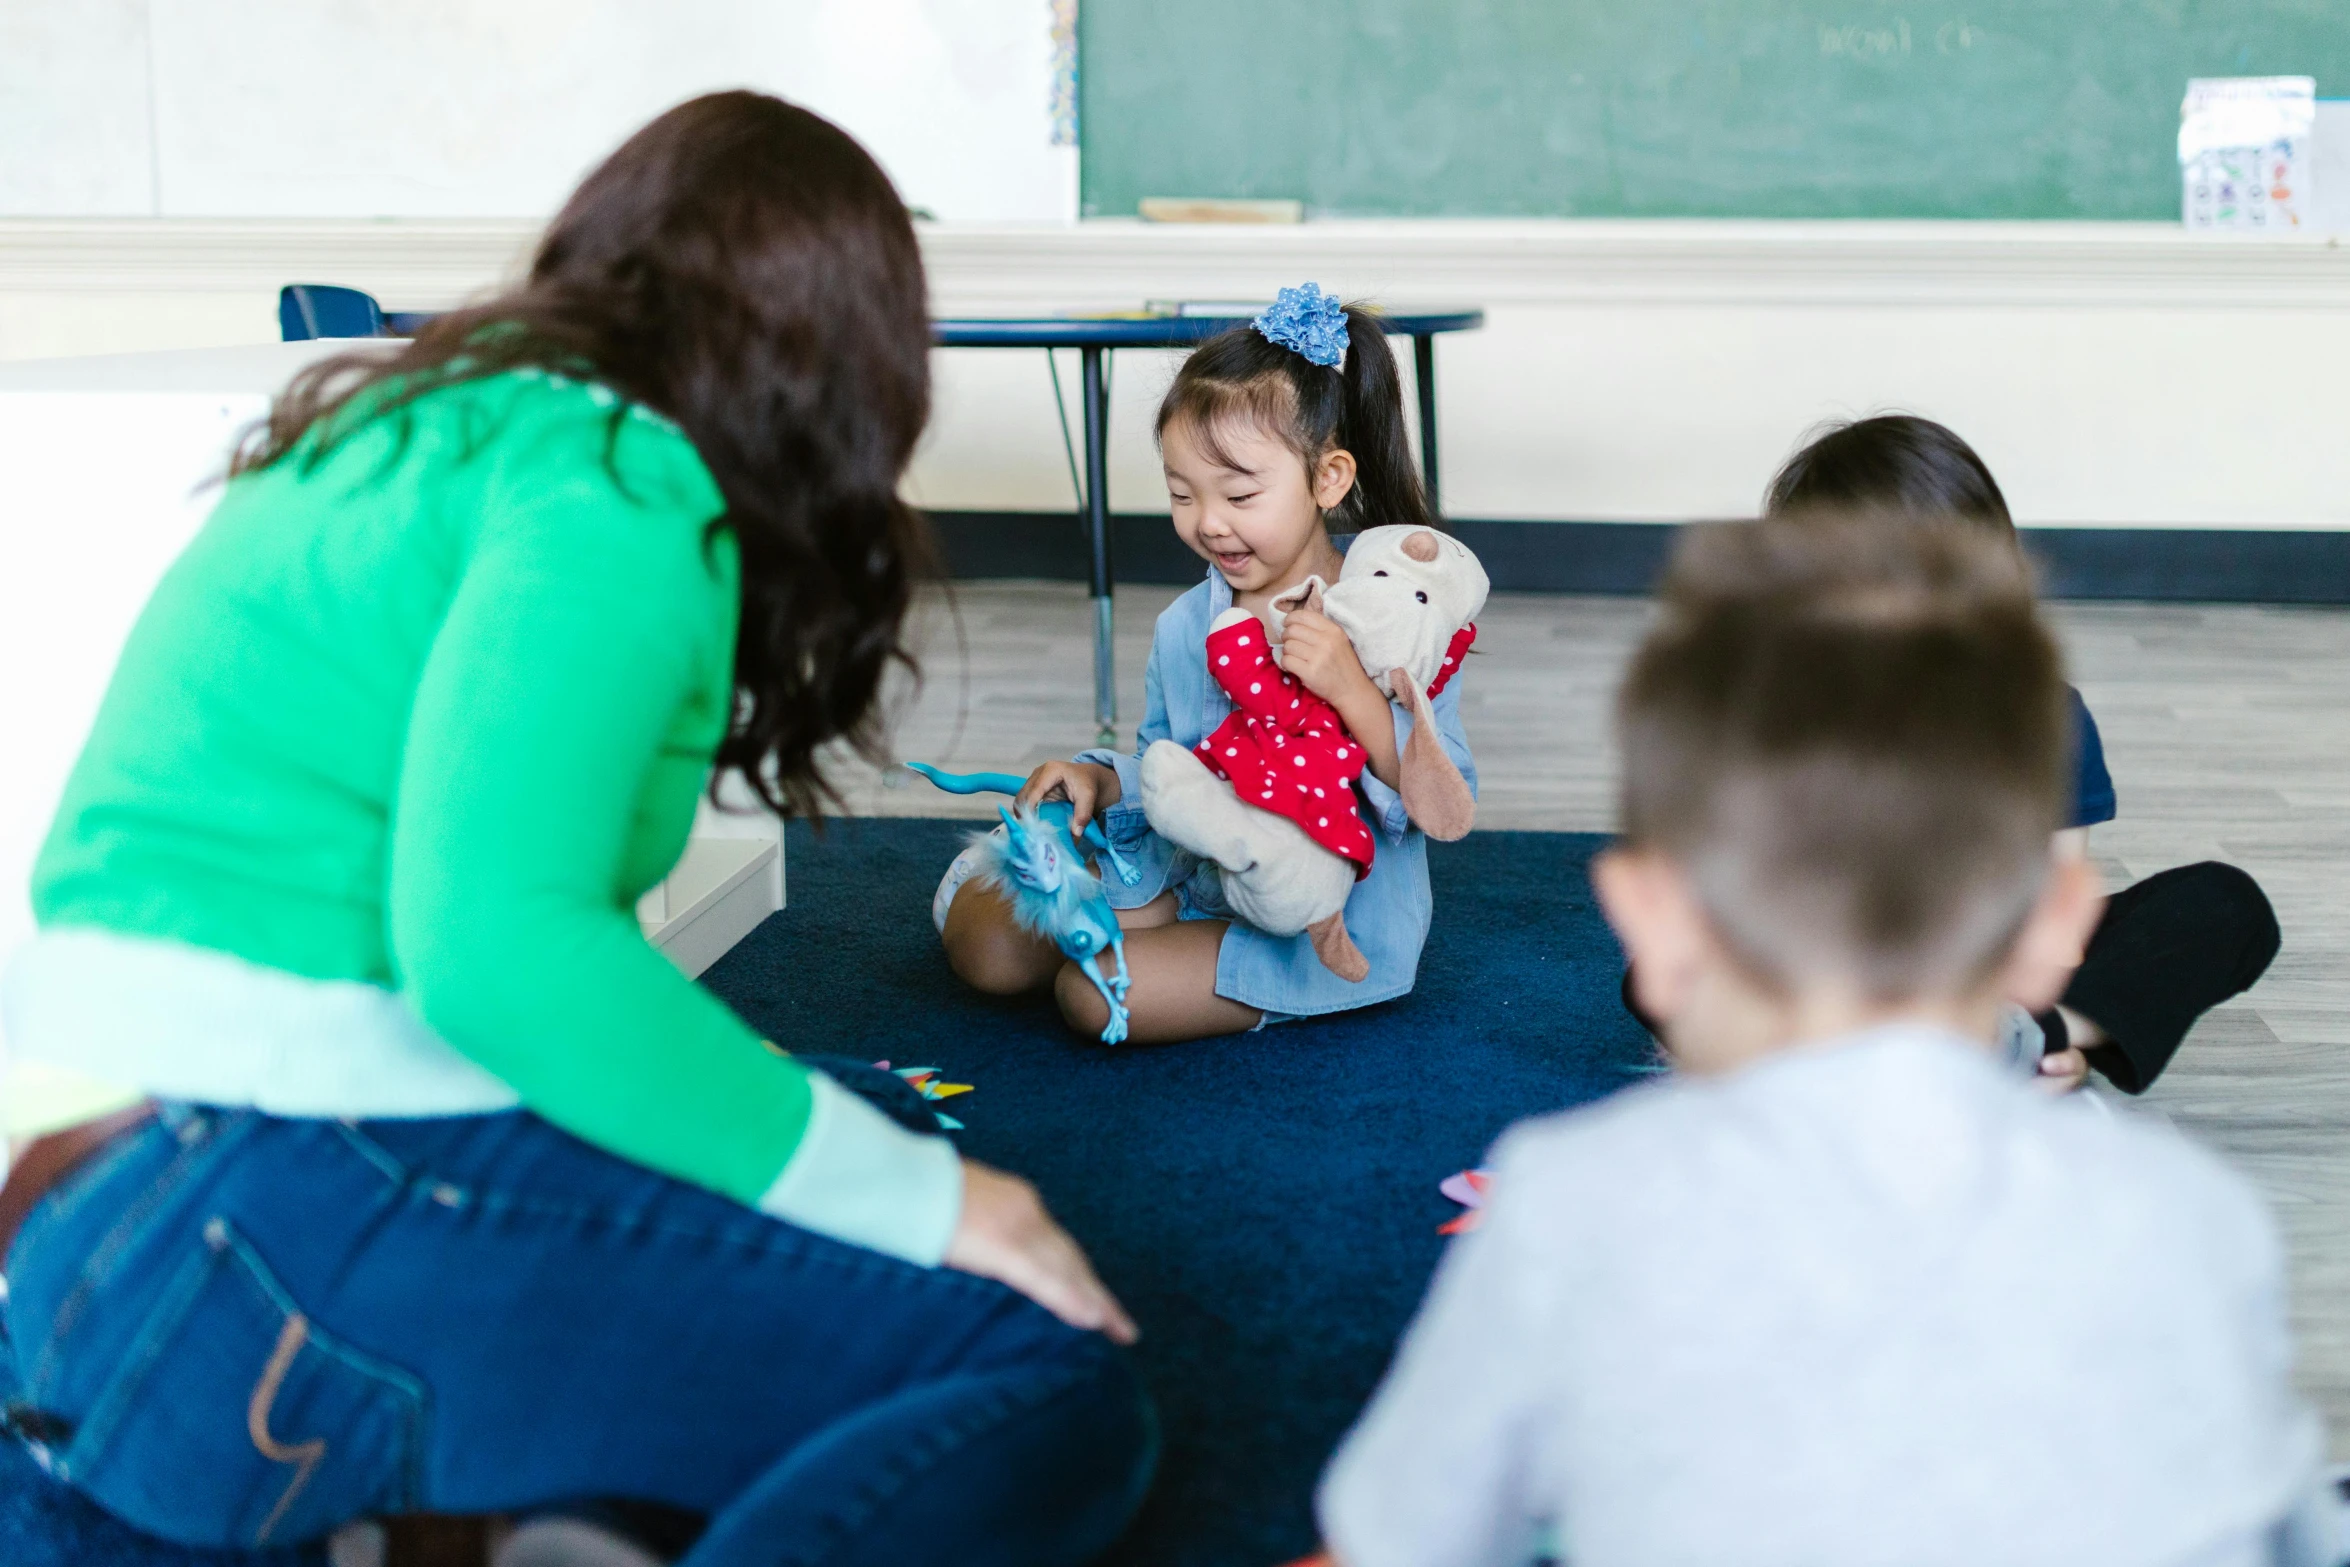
(1214, 209)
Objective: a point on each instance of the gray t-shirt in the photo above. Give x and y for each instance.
(1866, 1301)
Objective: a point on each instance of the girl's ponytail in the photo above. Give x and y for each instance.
(1371, 425)
(1323, 377)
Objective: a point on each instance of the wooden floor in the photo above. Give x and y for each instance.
(2227, 729)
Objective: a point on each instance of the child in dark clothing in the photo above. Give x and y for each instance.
(2169, 948)
(1769, 1309)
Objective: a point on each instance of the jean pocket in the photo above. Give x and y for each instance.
(232, 1419)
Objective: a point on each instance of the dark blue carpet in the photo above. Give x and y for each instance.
(1266, 1205)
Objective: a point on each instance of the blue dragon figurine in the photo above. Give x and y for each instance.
(1040, 867)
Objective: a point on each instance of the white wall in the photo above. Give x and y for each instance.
(85, 533)
(494, 108)
(2126, 375)
(2112, 374)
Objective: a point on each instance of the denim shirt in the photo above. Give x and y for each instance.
(1387, 914)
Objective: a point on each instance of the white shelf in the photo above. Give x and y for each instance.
(722, 888)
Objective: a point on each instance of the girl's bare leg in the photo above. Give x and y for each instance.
(1174, 992)
(1161, 910)
(989, 951)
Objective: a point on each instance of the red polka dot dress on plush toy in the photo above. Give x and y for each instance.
(1285, 749)
(1454, 652)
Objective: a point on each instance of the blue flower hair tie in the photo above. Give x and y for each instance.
(1306, 321)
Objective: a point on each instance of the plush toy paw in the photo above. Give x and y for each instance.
(1191, 807)
(1337, 949)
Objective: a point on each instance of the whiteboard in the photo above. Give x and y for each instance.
(495, 108)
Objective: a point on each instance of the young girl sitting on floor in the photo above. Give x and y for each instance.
(1275, 437)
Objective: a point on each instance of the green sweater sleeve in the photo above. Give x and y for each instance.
(587, 619)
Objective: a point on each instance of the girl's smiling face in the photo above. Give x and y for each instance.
(1248, 506)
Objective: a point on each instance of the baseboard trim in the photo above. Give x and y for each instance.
(2168, 565)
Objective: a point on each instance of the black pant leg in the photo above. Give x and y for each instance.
(2168, 950)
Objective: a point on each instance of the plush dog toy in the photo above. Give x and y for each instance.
(1270, 796)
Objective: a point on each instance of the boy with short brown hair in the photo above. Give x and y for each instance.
(1810, 1301)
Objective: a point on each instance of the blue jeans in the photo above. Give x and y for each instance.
(232, 1329)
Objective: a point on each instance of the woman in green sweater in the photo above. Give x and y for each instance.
(405, 1176)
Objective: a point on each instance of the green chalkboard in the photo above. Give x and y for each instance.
(1671, 108)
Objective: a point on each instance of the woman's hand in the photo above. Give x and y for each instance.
(1006, 1235)
(1087, 786)
(1320, 654)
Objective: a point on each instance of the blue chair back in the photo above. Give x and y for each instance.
(312, 310)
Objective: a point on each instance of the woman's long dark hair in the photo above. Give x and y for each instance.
(1356, 406)
(745, 268)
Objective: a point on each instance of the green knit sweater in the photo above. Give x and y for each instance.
(429, 709)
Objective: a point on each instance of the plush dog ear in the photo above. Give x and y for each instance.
(1434, 793)
(1337, 949)
(1306, 595)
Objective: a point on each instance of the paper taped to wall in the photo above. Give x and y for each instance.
(2329, 168)
(2245, 152)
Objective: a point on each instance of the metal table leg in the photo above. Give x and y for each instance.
(1097, 528)
(1424, 376)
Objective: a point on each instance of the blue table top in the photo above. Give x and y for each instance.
(1151, 331)
(1084, 331)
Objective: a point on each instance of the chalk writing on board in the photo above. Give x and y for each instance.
(1866, 43)
(1894, 40)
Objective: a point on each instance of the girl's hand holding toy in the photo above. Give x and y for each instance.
(1089, 788)
(1322, 656)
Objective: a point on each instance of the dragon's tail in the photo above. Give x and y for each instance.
(969, 783)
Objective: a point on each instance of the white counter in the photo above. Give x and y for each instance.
(106, 464)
